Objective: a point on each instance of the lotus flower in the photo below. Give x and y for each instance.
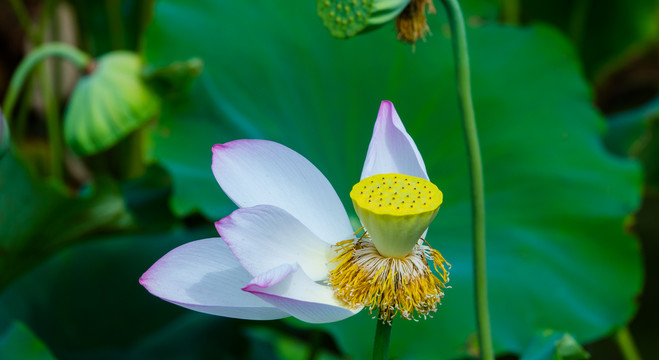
(290, 250)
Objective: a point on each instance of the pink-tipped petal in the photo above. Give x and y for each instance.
(263, 237)
(260, 172)
(288, 288)
(204, 276)
(392, 149)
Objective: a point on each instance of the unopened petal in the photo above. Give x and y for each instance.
(204, 275)
(263, 237)
(392, 149)
(288, 288)
(260, 172)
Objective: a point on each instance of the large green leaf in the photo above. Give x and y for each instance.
(19, 343)
(86, 303)
(4, 135)
(38, 218)
(606, 33)
(551, 345)
(633, 133)
(558, 257)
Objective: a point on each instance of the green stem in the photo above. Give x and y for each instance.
(113, 8)
(461, 56)
(24, 19)
(626, 344)
(509, 11)
(20, 119)
(52, 123)
(578, 19)
(78, 57)
(381, 343)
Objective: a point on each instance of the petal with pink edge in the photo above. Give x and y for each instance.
(392, 149)
(204, 276)
(263, 237)
(260, 172)
(288, 288)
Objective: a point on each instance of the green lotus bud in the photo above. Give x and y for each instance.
(109, 104)
(346, 18)
(4, 135)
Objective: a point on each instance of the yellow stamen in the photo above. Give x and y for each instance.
(393, 286)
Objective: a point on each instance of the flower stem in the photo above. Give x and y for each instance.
(31, 60)
(626, 344)
(381, 343)
(461, 56)
(52, 124)
(510, 10)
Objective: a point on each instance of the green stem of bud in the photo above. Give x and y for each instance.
(66, 51)
(34, 58)
(626, 344)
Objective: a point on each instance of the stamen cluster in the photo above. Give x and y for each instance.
(394, 286)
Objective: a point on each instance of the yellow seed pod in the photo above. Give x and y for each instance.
(395, 209)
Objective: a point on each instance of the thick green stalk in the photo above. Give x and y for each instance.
(626, 344)
(461, 56)
(381, 343)
(578, 19)
(510, 10)
(24, 20)
(55, 142)
(113, 8)
(31, 60)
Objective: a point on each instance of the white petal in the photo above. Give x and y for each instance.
(392, 149)
(205, 276)
(263, 237)
(259, 172)
(290, 289)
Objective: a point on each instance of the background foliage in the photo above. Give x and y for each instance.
(564, 182)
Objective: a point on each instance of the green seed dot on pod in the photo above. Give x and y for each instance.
(351, 14)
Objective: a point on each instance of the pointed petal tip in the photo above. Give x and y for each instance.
(143, 279)
(391, 148)
(288, 288)
(220, 224)
(269, 278)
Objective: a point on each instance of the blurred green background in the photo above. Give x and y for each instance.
(108, 168)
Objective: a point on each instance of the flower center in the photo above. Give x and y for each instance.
(393, 286)
(395, 209)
